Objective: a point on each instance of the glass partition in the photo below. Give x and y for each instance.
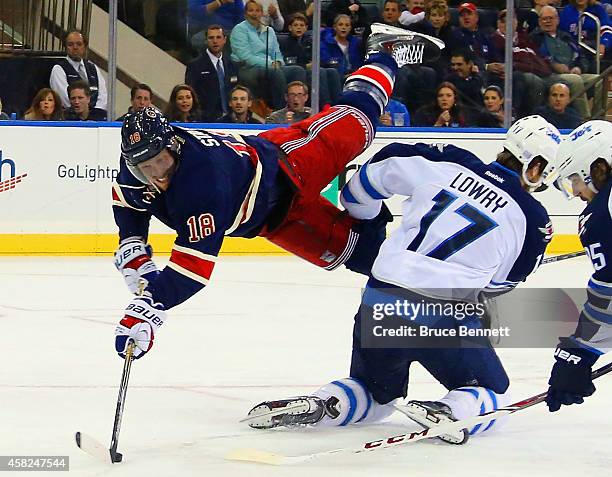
(252, 61)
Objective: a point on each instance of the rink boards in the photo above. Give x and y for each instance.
(55, 187)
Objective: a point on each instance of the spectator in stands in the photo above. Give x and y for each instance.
(289, 8)
(140, 97)
(357, 14)
(240, 103)
(445, 111)
(46, 106)
(184, 106)
(569, 22)
(529, 69)
(272, 15)
(80, 99)
(465, 78)
(76, 67)
(227, 13)
(340, 49)
(296, 110)
(557, 111)
(415, 6)
(493, 99)
(437, 24)
(395, 114)
(3, 116)
(567, 62)
(255, 47)
(212, 75)
(297, 50)
(530, 21)
(476, 40)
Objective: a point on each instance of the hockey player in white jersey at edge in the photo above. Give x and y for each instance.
(585, 160)
(207, 185)
(468, 228)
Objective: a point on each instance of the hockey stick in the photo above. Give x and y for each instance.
(263, 457)
(564, 256)
(89, 444)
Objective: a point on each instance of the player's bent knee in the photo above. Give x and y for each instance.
(322, 234)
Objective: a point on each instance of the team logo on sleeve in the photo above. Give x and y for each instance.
(547, 231)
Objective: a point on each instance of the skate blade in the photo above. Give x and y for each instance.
(416, 413)
(273, 413)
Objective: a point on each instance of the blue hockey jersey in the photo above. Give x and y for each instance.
(223, 185)
(466, 226)
(594, 228)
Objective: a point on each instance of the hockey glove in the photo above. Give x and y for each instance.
(133, 260)
(142, 319)
(570, 380)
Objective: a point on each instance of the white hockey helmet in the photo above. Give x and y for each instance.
(530, 137)
(585, 144)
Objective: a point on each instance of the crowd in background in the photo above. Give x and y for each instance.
(255, 64)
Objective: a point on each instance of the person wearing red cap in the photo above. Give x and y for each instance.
(475, 39)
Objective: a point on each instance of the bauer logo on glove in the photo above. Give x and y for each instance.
(142, 319)
(133, 260)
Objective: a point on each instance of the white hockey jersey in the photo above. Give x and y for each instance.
(466, 227)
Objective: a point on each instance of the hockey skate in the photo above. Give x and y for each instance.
(405, 46)
(292, 412)
(430, 414)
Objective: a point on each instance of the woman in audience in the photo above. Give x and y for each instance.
(183, 106)
(493, 99)
(46, 106)
(340, 49)
(445, 111)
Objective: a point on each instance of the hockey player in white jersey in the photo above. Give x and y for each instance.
(585, 171)
(467, 228)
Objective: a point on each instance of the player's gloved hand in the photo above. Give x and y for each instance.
(142, 319)
(133, 260)
(570, 380)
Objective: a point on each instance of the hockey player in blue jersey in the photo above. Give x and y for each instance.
(585, 171)
(207, 185)
(467, 228)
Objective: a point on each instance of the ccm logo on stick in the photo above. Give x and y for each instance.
(395, 439)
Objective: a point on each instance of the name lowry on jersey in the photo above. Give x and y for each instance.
(479, 191)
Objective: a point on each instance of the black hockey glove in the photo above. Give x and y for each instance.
(570, 380)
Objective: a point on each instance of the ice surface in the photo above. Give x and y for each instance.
(265, 328)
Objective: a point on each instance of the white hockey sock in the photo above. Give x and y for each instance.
(471, 401)
(356, 404)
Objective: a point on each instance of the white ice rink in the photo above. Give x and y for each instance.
(265, 328)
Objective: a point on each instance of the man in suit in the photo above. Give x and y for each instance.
(212, 75)
(76, 67)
